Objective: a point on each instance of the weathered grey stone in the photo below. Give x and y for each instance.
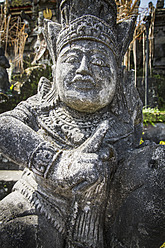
(79, 139)
(137, 199)
(159, 39)
(154, 133)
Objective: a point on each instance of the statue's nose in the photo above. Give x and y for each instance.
(83, 68)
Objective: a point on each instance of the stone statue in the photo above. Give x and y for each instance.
(40, 44)
(4, 79)
(87, 182)
(160, 4)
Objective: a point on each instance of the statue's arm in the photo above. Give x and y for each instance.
(17, 139)
(20, 141)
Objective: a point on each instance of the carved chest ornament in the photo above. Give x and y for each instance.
(70, 130)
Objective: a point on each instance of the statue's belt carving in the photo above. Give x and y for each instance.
(51, 211)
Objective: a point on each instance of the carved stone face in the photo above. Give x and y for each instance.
(86, 75)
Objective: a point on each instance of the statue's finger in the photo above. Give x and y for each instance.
(93, 143)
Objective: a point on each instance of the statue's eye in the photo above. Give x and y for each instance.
(98, 62)
(71, 59)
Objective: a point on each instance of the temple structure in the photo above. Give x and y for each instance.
(150, 57)
(159, 39)
(32, 8)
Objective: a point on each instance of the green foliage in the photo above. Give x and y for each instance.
(157, 76)
(153, 115)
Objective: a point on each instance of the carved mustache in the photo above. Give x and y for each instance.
(85, 79)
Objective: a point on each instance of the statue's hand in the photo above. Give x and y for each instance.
(81, 167)
(77, 168)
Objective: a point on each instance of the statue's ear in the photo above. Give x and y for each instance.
(51, 31)
(125, 32)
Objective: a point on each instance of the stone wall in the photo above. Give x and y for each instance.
(159, 42)
(152, 91)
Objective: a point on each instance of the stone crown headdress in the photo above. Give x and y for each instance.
(89, 19)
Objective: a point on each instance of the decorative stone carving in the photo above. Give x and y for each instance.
(40, 44)
(160, 4)
(88, 183)
(159, 39)
(4, 79)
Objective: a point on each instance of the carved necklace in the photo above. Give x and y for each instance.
(69, 127)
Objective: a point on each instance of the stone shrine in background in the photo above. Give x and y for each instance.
(159, 39)
(4, 79)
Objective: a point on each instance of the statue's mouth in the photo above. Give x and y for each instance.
(83, 82)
